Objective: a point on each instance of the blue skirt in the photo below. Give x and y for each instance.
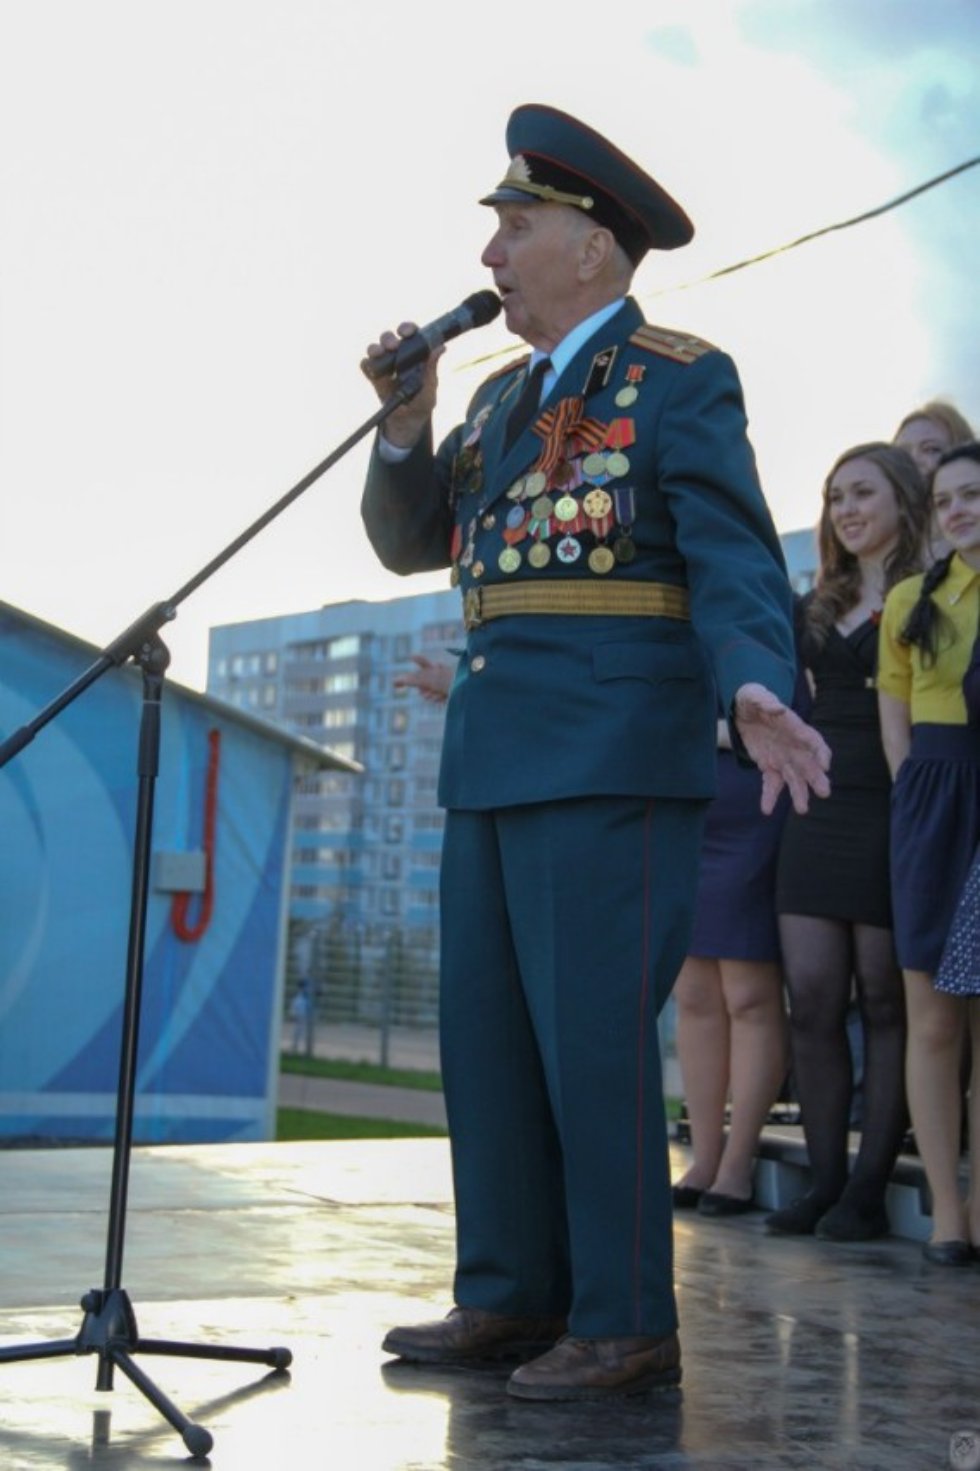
(959, 971)
(735, 916)
(935, 831)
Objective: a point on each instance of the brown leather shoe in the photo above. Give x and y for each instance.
(599, 1368)
(469, 1335)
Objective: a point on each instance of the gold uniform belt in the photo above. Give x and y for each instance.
(624, 599)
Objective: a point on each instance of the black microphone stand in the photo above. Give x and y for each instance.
(109, 1326)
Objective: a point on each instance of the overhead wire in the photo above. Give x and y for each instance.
(754, 260)
(868, 214)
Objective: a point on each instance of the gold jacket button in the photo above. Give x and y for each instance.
(477, 663)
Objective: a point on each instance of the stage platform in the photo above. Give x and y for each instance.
(797, 1354)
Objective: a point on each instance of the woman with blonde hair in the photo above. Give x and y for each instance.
(928, 432)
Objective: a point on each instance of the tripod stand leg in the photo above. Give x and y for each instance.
(55, 1350)
(197, 1440)
(275, 1358)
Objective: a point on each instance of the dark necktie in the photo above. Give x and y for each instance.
(526, 404)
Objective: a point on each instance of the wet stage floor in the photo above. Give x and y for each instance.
(797, 1354)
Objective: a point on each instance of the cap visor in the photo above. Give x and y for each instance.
(510, 195)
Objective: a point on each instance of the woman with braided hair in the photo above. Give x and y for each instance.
(928, 636)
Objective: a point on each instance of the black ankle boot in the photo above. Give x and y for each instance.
(844, 1222)
(801, 1217)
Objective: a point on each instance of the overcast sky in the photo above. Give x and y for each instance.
(209, 207)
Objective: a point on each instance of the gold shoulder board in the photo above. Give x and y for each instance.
(680, 346)
(510, 367)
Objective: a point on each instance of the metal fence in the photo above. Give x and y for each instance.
(329, 1022)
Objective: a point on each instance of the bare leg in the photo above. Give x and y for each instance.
(932, 1072)
(702, 1050)
(754, 1001)
(974, 1197)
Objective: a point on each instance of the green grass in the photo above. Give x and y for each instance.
(359, 1072)
(370, 1072)
(303, 1123)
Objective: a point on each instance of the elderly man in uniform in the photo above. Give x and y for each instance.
(601, 514)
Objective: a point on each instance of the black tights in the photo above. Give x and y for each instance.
(820, 958)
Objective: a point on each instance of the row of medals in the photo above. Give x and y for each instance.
(597, 469)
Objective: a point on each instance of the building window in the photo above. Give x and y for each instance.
(342, 715)
(398, 722)
(395, 793)
(421, 937)
(270, 663)
(312, 650)
(340, 684)
(345, 648)
(443, 633)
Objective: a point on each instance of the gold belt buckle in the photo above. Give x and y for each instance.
(472, 607)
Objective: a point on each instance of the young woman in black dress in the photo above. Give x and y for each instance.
(832, 888)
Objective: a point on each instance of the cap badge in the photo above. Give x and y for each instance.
(518, 176)
(519, 171)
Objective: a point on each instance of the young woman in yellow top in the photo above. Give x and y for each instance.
(928, 632)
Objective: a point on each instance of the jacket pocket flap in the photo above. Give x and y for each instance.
(654, 662)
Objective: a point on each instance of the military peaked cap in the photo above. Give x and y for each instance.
(554, 157)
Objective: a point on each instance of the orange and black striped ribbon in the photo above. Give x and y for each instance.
(562, 423)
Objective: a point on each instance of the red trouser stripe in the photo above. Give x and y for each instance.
(641, 1073)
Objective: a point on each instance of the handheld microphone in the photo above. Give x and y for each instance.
(476, 311)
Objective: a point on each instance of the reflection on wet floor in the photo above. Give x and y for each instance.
(796, 1353)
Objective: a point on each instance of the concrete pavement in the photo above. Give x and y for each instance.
(362, 1100)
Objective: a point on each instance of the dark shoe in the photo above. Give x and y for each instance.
(717, 1203)
(844, 1223)
(800, 1218)
(599, 1368)
(470, 1335)
(948, 1253)
(685, 1197)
